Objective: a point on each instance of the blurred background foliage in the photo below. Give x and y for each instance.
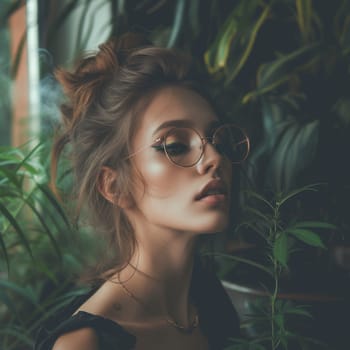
(279, 68)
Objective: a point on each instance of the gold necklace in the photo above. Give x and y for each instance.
(173, 323)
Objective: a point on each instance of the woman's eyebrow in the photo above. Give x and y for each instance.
(174, 122)
(184, 123)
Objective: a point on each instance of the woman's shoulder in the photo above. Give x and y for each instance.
(72, 328)
(80, 339)
(84, 328)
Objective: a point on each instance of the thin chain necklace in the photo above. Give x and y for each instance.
(171, 322)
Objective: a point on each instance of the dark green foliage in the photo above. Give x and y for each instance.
(279, 68)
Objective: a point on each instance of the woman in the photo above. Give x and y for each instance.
(153, 161)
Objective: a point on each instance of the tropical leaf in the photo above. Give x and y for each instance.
(304, 18)
(273, 74)
(178, 22)
(216, 56)
(249, 45)
(286, 162)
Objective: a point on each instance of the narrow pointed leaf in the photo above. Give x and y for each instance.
(17, 228)
(4, 250)
(315, 224)
(280, 249)
(307, 236)
(242, 260)
(261, 198)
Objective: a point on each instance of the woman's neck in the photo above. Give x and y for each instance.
(160, 275)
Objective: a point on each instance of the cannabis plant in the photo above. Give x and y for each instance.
(271, 320)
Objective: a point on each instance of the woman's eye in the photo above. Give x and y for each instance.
(158, 148)
(176, 148)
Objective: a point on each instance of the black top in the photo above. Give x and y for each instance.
(217, 318)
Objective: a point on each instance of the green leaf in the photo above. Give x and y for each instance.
(19, 333)
(271, 75)
(280, 249)
(242, 260)
(315, 224)
(47, 229)
(286, 162)
(250, 44)
(258, 214)
(254, 228)
(17, 228)
(26, 293)
(304, 17)
(58, 208)
(296, 192)
(216, 56)
(259, 197)
(279, 319)
(298, 311)
(178, 21)
(307, 236)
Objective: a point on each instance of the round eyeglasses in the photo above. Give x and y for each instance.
(184, 146)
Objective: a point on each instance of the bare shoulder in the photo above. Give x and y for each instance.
(108, 301)
(81, 339)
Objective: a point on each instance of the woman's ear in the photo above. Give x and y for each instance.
(107, 186)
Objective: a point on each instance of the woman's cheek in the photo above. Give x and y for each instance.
(161, 178)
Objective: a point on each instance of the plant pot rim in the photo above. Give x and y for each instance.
(316, 297)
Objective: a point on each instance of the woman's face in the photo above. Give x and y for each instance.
(170, 196)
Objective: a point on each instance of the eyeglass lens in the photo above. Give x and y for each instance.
(184, 146)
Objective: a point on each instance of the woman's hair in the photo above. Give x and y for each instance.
(104, 93)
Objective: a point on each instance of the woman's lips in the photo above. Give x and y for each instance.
(214, 199)
(212, 190)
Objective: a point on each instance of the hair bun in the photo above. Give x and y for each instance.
(85, 83)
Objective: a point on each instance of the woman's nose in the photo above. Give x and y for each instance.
(211, 159)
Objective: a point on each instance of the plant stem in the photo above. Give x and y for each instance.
(273, 236)
(273, 305)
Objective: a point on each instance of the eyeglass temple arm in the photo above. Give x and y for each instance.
(143, 148)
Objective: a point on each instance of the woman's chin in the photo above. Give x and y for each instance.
(214, 227)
